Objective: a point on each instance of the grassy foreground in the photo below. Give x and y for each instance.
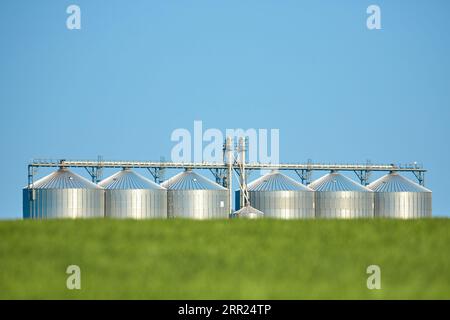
(180, 259)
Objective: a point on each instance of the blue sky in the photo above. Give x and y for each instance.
(137, 70)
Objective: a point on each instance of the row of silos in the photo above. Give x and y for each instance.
(127, 194)
(337, 196)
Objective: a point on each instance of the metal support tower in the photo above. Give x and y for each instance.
(363, 176)
(242, 148)
(420, 175)
(304, 175)
(95, 172)
(31, 172)
(228, 154)
(220, 176)
(157, 172)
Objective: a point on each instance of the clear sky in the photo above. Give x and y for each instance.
(137, 70)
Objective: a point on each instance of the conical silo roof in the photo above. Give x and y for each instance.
(64, 179)
(276, 181)
(128, 179)
(248, 212)
(189, 180)
(393, 182)
(335, 181)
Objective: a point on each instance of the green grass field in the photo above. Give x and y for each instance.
(265, 259)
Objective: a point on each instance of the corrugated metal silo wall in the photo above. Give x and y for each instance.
(284, 204)
(198, 204)
(136, 203)
(26, 203)
(344, 204)
(403, 205)
(237, 200)
(65, 203)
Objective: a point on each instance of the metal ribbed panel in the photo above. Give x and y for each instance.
(63, 194)
(394, 182)
(248, 212)
(344, 204)
(64, 179)
(190, 195)
(337, 196)
(189, 180)
(284, 204)
(276, 181)
(403, 205)
(335, 181)
(198, 204)
(136, 204)
(399, 197)
(63, 203)
(128, 179)
(130, 195)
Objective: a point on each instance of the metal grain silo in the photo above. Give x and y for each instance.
(190, 195)
(399, 197)
(130, 195)
(280, 196)
(340, 197)
(63, 194)
(248, 212)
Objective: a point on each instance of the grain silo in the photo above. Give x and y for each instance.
(190, 195)
(280, 196)
(130, 195)
(63, 194)
(399, 197)
(340, 197)
(248, 212)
